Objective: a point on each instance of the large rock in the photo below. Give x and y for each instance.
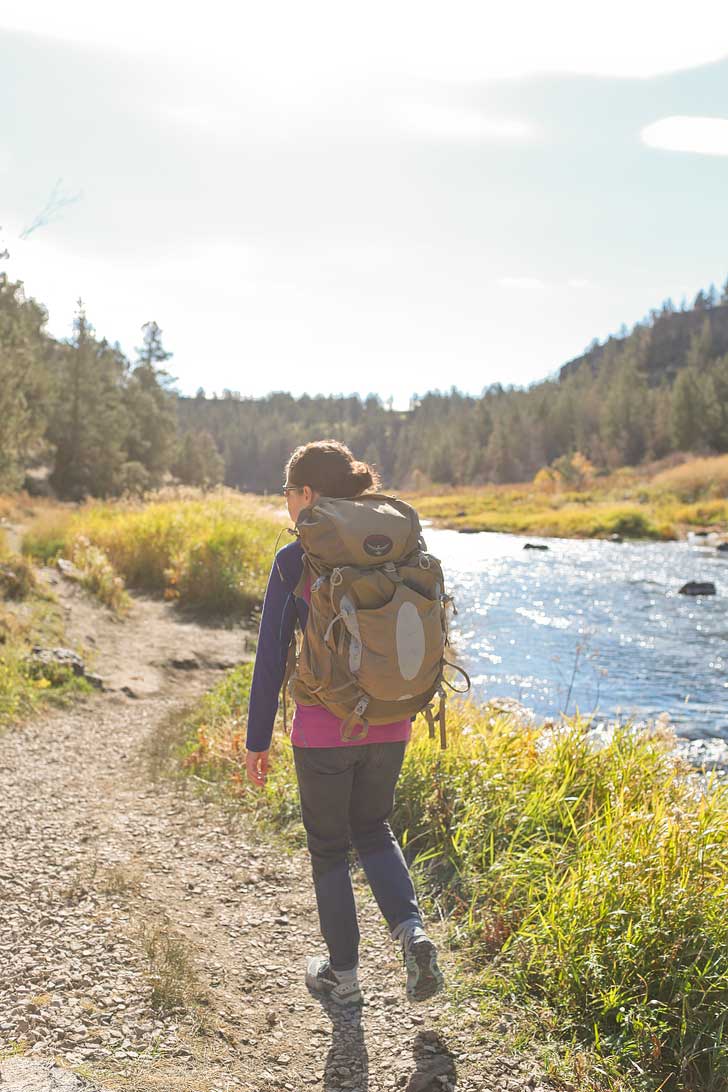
(697, 587)
(30, 1075)
(68, 569)
(64, 656)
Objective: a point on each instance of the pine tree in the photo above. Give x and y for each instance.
(199, 462)
(501, 456)
(716, 396)
(625, 420)
(89, 424)
(700, 350)
(151, 406)
(688, 411)
(25, 382)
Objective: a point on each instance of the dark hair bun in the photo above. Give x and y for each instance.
(329, 467)
(362, 475)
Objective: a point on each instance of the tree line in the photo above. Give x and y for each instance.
(101, 424)
(97, 423)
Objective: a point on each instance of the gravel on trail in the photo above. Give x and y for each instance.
(154, 940)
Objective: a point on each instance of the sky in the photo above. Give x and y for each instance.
(384, 197)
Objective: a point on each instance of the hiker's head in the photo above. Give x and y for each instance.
(325, 468)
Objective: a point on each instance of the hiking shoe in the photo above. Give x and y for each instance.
(424, 977)
(323, 979)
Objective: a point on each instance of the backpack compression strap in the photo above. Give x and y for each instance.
(348, 725)
(429, 715)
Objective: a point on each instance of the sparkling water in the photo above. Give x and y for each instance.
(592, 626)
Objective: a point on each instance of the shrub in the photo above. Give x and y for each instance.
(696, 479)
(45, 539)
(17, 578)
(212, 553)
(98, 576)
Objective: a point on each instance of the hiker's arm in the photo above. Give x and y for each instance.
(276, 629)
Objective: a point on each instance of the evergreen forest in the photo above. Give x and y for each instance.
(78, 418)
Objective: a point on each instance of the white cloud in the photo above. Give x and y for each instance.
(287, 43)
(704, 136)
(452, 123)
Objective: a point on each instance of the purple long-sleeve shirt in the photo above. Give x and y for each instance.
(313, 725)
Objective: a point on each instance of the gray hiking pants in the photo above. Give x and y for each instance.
(347, 796)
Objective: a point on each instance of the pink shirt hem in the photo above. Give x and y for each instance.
(314, 726)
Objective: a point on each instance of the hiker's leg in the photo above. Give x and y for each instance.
(325, 777)
(372, 800)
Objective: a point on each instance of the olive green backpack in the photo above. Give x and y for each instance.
(374, 647)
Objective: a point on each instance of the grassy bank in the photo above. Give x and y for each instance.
(587, 889)
(29, 615)
(210, 552)
(632, 503)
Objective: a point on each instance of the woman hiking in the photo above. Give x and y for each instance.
(346, 786)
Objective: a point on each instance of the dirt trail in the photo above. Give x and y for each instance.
(110, 877)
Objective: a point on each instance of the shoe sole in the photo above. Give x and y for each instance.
(424, 977)
(329, 990)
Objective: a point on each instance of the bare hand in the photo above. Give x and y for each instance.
(256, 763)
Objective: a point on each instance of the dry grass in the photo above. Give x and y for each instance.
(118, 879)
(699, 478)
(210, 551)
(653, 502)
(161, 1075)
(171, 970)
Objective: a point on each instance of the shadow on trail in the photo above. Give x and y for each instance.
(435, 1064)
(347, 1064)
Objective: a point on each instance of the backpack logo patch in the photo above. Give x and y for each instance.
(377, 545)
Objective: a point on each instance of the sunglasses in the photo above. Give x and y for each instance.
(291, 489)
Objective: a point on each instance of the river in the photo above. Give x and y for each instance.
(593, 626)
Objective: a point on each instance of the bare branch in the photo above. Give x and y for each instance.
(57, 201)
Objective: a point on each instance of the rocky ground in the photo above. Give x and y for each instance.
(154, 940)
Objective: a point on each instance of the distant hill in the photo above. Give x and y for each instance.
(642, 395)
(664, 344)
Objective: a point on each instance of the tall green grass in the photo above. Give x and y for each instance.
(212, 747)
(593, 881)
(587, 886)
(209, 552)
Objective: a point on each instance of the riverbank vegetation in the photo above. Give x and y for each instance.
(211, 552)
(658, 502)
(585, 889)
